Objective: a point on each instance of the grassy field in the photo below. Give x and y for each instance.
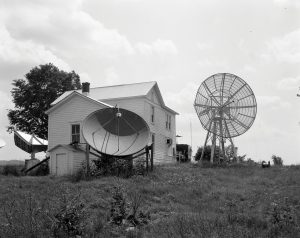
(182, 200)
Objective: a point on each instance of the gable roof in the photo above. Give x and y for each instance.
(118, 92)
(70, 94)
(115, 91)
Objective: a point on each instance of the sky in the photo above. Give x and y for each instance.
(178, 43)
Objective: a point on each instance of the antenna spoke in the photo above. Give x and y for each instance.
(234, 127)
(210, 94)
(241, 123)
(240, 99)
(204, 105)
(240, 107)
(204, 112)
(246, 115)
(235, 92)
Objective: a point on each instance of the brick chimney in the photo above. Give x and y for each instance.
(86, 88)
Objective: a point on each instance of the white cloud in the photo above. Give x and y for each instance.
(203, 46)
(184, 99)
(162, 48)
(111, 77)
(63, 28)
(289, 84)
(14, 51)
(288, 3)
(272, 102)
(285, 49)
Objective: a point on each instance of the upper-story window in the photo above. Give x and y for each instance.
(152, 96)
(75, 133)
(152, 114)
(168, 122)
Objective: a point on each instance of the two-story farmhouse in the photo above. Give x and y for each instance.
(70, 109)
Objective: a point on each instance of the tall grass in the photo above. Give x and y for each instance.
(174, 201)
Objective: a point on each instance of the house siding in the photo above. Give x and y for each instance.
(163, 153)
(74, 111)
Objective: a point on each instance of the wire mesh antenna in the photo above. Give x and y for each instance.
(226, 107)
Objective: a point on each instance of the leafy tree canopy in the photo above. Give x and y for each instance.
(207, 153)
(33, 96)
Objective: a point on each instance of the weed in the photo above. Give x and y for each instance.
(69, 219)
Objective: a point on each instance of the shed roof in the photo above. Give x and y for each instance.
(67, 147)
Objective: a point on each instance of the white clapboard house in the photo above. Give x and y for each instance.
(69, 110)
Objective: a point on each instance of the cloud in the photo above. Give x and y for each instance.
(183, 100)
(288, 3)
(289, 84)
(59, 29)
(285, 49)
(111, 77)
(14, 51)
(272, 102)
(160, 47)
(6, 103)
(203, 46)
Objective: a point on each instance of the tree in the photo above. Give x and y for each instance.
(277, 160)
(33, 96)
(207, 153)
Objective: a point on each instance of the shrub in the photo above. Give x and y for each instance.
(42, 169)
(69, 220)
(140, 167)
(118, 206)
(11, 170)
(127, 209)
(207, 153)
(277, 160)
(79, 175)
(113, 166)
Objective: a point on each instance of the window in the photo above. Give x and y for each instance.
(75, 133)
(152, 114)
(168, 122)
(152, 96)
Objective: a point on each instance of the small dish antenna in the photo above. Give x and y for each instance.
(2, 143)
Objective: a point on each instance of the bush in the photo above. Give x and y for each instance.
(207, 153)
(113, 166)
(277, 160)
(126, 208)
(140, 166)
(69, 220)
(11, 170)
(42, 170)
(79, 175)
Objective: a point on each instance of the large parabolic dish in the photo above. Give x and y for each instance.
(116, 132)
(227, 100)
